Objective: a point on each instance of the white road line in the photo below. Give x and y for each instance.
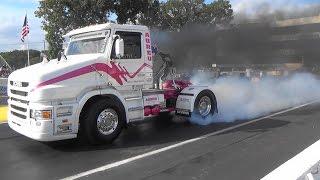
(295, 167)
(125, 161)
(3, 123)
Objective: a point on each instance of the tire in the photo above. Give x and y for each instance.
(102, 122)
(205, 104)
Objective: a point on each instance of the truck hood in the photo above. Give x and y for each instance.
(41, 72)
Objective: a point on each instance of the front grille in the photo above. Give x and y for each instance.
(21, 84)
(19, 100)
(18, 108)
(20, 93)
(18, 115)
(18, 104)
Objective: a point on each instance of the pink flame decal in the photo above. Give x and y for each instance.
(117, 72)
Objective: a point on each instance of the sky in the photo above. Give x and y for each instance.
(12, 14)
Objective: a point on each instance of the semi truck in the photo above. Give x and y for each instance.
(99, 84)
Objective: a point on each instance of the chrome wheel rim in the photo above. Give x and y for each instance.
(107, 121)
(204, 106)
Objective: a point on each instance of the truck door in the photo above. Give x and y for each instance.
(132, 65)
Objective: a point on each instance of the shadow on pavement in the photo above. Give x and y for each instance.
(156, 132)
(164, 131)
(261, 126)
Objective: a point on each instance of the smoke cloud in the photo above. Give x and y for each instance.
(240, 99)
(194, 46)
(252, 38)
(263, 11)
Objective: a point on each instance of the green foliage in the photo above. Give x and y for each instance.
(175, 14)
(178, 13)
(18, 59)
(128, 10)
(151, 16)
(218, 12)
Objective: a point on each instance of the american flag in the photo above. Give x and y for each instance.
(25, 29)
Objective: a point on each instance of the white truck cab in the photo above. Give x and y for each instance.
(103, 81)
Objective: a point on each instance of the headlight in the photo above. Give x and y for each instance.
(41, 114)
(64, 111)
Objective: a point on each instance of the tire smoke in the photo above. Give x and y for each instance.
(240, 99)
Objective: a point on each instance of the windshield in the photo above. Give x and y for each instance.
(87, 46)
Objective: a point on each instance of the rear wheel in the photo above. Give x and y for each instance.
(204, 105)
(103, 121)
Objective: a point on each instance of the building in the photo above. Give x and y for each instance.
(287, 41)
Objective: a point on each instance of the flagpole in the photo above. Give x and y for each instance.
(27, 39)
(28, 50)
(28, 45)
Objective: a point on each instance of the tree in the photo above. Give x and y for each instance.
(151, 16)
(217, 12)
(17, 58)
(178, 13)
(175, 14)
(129, 10)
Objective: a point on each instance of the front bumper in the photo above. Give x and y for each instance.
(184, 105)
(29, 131)
(40, 130)
(183, 112)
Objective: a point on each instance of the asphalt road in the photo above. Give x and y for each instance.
(248, 152)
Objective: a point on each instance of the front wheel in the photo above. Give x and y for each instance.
(103, 122)
(107, 121)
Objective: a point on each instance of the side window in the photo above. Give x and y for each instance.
(132, 45)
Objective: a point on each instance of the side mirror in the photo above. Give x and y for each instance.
(44, 57)
(61, 54)
(119, 48)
